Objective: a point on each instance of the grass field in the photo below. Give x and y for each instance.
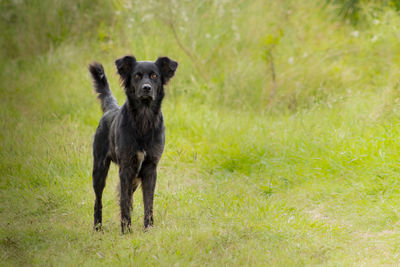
(283, 127)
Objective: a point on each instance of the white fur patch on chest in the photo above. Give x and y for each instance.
(140, 158)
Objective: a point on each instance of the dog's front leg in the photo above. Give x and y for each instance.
(149, 177)
(126, 176)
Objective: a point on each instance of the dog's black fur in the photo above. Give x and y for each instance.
(132, 135)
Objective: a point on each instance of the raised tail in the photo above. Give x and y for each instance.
(100, 83)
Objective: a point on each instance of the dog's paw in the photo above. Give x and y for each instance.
(148, 228)
(98, 229)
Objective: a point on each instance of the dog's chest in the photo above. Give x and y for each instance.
(129, 143)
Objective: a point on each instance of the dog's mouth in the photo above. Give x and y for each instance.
(146, 98)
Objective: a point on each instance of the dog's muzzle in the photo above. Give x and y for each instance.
(146, 92)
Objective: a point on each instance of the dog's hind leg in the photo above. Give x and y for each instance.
(100, 170)
(135, 185)
(127, 187)
(140, 155)
(149, 177)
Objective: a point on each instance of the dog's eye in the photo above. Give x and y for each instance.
(154, 76)
(138, 76)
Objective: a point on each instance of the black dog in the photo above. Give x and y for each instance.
(132, 135)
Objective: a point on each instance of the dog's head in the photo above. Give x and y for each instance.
(144, 80)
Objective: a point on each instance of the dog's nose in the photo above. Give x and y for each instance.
(146, 87)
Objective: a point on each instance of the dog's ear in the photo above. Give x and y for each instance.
(167, 67)
(125, 67)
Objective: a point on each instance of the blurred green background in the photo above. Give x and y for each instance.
(282, 132)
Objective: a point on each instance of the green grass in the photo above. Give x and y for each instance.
(303, 170)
